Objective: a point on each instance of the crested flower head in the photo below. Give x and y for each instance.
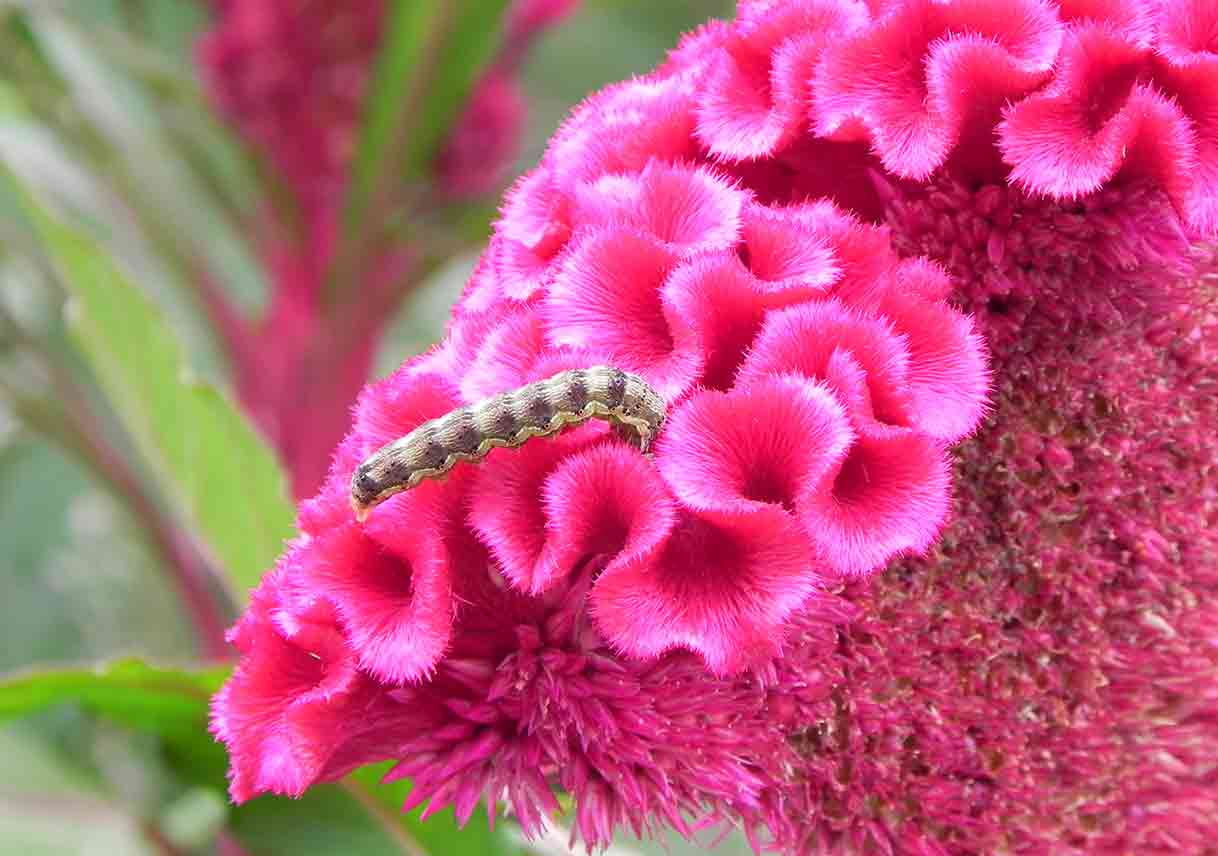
(292, 87)
(811, 398)
(532, 612)
(1058, 159)
(704, 634)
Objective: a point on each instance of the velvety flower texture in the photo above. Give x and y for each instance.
(1043, 681)
(1059, 160)
(290, 76)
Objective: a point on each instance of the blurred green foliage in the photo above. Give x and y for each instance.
(227, 479)
(102, 120)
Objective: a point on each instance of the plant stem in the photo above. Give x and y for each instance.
(157, 839)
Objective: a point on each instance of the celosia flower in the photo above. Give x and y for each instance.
(814, 382)
(698, 636)
(290, 75)
(485, 141)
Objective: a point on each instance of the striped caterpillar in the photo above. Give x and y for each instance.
(508, 420)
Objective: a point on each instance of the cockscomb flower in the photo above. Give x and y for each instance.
(294, 88)
(703, 636)
(524, 622)
(290, 76)
(811, 403)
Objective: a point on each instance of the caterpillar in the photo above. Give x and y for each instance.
(508, 420)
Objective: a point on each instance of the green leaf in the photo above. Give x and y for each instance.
(160, 700)
(143, 145)
(170, 704)
(36, 485)
(326, 820)
(431, 56)
(226, 478)
(128, 118)
(166, 702)
(334, 819)
(79, 582)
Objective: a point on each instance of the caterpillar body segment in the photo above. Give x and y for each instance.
(507, 420)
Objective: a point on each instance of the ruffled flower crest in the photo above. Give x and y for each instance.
(783, 470)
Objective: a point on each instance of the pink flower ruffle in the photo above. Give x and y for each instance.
(814, 381)
(1077, 96)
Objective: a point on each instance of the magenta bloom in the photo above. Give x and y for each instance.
(815, 383)
(811, 406)
(704, 635)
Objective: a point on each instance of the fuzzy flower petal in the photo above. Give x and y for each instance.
(723, 303)
(543, 511)
(623, 128)
(723, 585)
(1098, 118)
(507, 358)
(1128, 102)
(785, 251)
(688, 210)
(396, 607)
(756, 445)
(284, 711)
(608, 298)
(753, 98)
(395, 406)
(948, 376)
(813, 338)
(889, 496)
(915, 80)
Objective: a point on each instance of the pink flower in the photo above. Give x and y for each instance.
(485, 139)
(291, 87)
(296, 695)
(531, 616)
(808, 480)
(703, 635)
(529, 697)
(756, 84)
(1021, 143)
(484, 142)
